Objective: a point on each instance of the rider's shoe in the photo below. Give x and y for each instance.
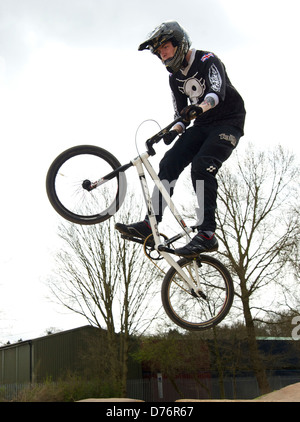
(200, 243)
(141, 229)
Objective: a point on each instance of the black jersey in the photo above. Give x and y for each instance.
(206, 74)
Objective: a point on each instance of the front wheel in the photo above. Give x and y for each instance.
(71, 174)
(198, 309)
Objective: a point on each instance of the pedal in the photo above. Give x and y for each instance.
(133, 239)
(137, 240)
(163, 248)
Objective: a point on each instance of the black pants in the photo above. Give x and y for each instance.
(206, 148)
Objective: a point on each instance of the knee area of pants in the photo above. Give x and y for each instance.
(204, 166)
(202, 172)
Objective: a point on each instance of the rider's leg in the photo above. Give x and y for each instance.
(216, 149)
(172, 165)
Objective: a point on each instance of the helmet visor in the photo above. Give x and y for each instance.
(156, 39)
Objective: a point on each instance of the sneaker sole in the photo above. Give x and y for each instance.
(195, 254)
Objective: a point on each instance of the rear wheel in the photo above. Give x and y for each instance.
(69, 181)
(203, 309)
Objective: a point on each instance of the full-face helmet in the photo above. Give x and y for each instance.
(169, 31)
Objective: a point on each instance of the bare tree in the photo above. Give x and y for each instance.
(110, 282)
(258, 229)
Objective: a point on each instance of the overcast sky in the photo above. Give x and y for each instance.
(68, 66)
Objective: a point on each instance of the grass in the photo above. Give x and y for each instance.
(70, 390)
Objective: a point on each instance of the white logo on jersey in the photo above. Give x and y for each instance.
(193, 88)
(215, 78)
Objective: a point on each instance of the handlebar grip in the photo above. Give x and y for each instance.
(193, 113)
(150, 149)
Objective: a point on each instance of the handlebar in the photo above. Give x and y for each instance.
(159, 136)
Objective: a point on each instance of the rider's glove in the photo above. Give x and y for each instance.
(170, 136)
(191, 112)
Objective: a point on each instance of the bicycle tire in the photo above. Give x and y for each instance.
(193, 312)
(64, 185)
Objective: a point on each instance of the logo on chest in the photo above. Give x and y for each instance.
(192, 87)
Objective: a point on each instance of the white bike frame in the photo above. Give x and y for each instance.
(141, 162)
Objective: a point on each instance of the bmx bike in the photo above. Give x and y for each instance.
(197, 293)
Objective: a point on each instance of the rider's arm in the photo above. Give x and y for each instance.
(180, 128)
(211, 100)
(215, 81)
